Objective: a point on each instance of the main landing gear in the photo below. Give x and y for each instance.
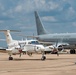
(10, 58)
(72, 51)
(43, 56)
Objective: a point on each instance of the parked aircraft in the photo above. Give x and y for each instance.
(19, 46)
(58, 40)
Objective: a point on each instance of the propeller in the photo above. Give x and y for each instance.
(56, 48)
(20, 49)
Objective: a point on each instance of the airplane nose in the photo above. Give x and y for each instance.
(42, 47)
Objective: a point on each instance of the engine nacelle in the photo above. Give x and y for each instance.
(60, 48)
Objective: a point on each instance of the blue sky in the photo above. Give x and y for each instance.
(58, 16)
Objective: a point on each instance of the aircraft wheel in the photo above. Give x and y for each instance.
(43, 58)
(72, 51)
(10, 58)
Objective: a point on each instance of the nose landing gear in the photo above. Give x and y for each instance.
(43, 58)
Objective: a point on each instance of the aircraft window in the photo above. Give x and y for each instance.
(29, 42)
(34, 42)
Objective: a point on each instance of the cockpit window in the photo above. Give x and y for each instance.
(34, 42)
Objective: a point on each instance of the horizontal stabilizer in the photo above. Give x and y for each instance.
(10, 30)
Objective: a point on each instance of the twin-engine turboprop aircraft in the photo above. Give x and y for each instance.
(17, 46)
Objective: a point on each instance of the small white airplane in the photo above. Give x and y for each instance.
(19, 46)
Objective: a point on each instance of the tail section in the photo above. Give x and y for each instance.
(39, 25)
(8, 36)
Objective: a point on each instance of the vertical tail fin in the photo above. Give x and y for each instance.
(10, 42)
(8, 36)
(39, 25)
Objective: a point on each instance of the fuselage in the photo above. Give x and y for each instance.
(58, 37)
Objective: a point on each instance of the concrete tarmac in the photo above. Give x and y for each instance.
(64, 64)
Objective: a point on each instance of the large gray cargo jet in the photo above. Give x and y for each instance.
(58, 39)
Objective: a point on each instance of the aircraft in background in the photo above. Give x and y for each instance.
(19, 46)
(58, 40)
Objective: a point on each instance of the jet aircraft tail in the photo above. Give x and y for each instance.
(39, 25)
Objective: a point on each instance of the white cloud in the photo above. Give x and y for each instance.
(52, 5)
(70, 13)
(27, 6)
(18, 24)
(18, 8)
(31, 5)
(1, 7)
(1, 21)
(49, 18)
(74, 24)
(26, 27)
